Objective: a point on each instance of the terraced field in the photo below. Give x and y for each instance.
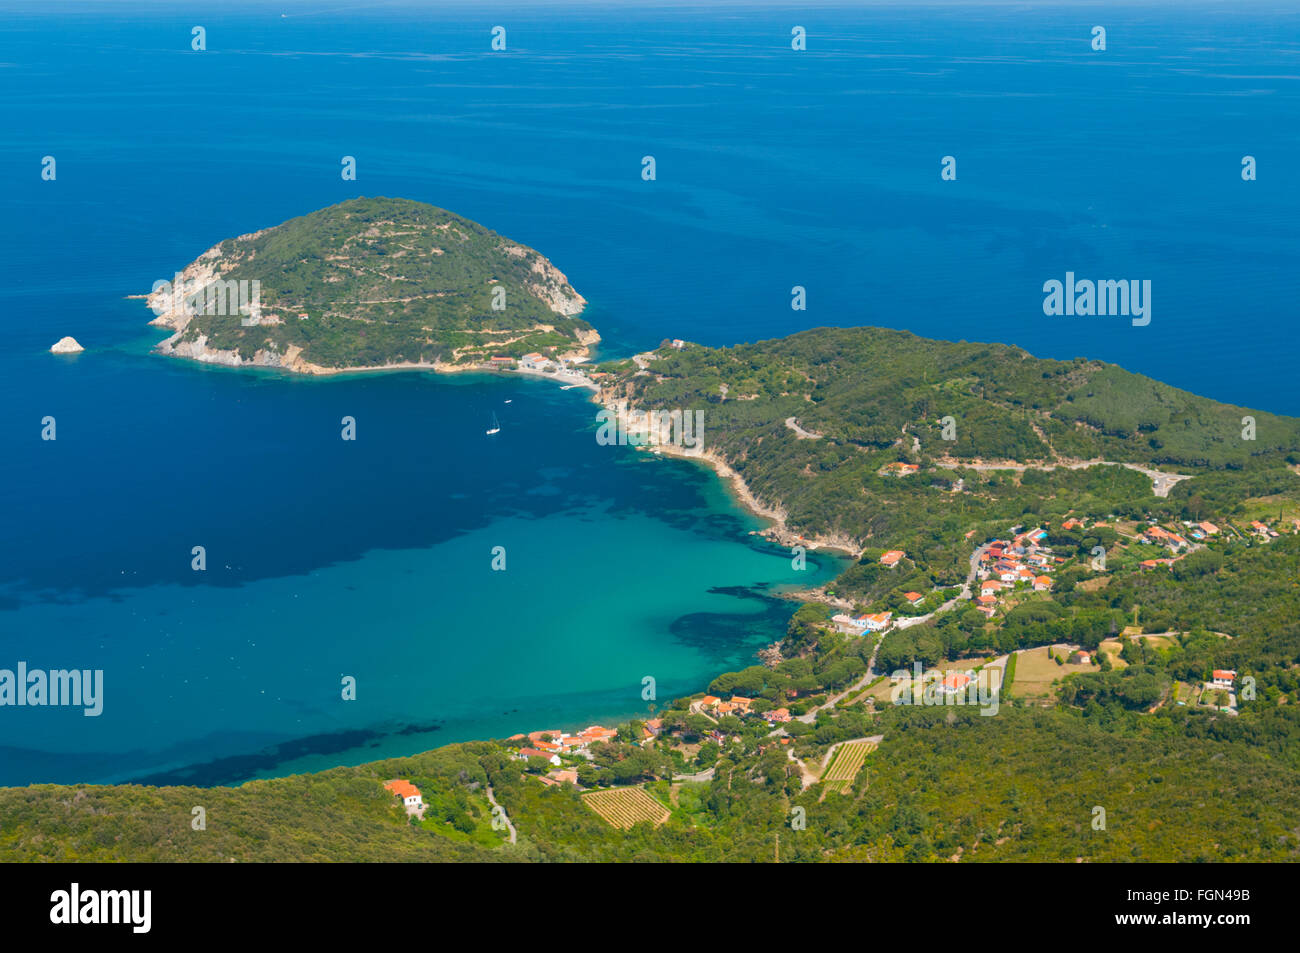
(623, 807)
(848, 762)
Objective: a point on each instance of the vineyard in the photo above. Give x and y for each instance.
(623, 807)
(848, 761)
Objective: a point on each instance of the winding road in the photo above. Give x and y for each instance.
(514, 837)
(1161, 482)
(799, 431)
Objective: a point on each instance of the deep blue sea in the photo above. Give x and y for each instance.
(775, 168)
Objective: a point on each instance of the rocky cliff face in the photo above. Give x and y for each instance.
(168, 301)
(549, 283)
(198, 350)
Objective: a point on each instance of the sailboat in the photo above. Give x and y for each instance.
(496, 425)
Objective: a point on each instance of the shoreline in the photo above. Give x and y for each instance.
(733, 484)
(779, 530)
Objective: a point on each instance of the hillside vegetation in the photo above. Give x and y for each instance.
(872, 396)
(384, 281)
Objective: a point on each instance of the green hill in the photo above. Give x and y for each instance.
(873, 388)
(872, 396)
(379, 281)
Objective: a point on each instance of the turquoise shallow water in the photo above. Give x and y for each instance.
(442, 647)
(775, 169)
(370, 559)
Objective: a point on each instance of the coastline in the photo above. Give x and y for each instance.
(778, 530)
(734, 485)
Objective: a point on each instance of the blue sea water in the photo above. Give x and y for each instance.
(775, 168)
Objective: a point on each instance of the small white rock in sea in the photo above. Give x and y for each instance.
(66, 346)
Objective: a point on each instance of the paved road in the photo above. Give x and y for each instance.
(811, 716)
(800, 432)
(965, 593)
(514, 837)
(1161, 482)
(699, 776)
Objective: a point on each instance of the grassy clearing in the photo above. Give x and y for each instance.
(1037, 673)
(1112, 648)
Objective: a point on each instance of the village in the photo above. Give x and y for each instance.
(566, 368)
(1005, 572)
(1008, 569)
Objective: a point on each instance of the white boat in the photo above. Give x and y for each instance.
(496, 425)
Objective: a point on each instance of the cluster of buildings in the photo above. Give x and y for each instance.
(740, 707)
(1020, 562)
(858, 624)
(876, 621)
(1199, 533)
(539, 362)
(559, 776)
(534, 361)
(1159, 536)
(1177, 544)
(551, 744)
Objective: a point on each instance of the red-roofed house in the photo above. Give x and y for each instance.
(1224, 677)
(955, 682)
(596, 733)
(899, 468)
(892, 557)
(878, 622)
(408, 793)
(538, 753)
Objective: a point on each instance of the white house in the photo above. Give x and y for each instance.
(409, 794)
